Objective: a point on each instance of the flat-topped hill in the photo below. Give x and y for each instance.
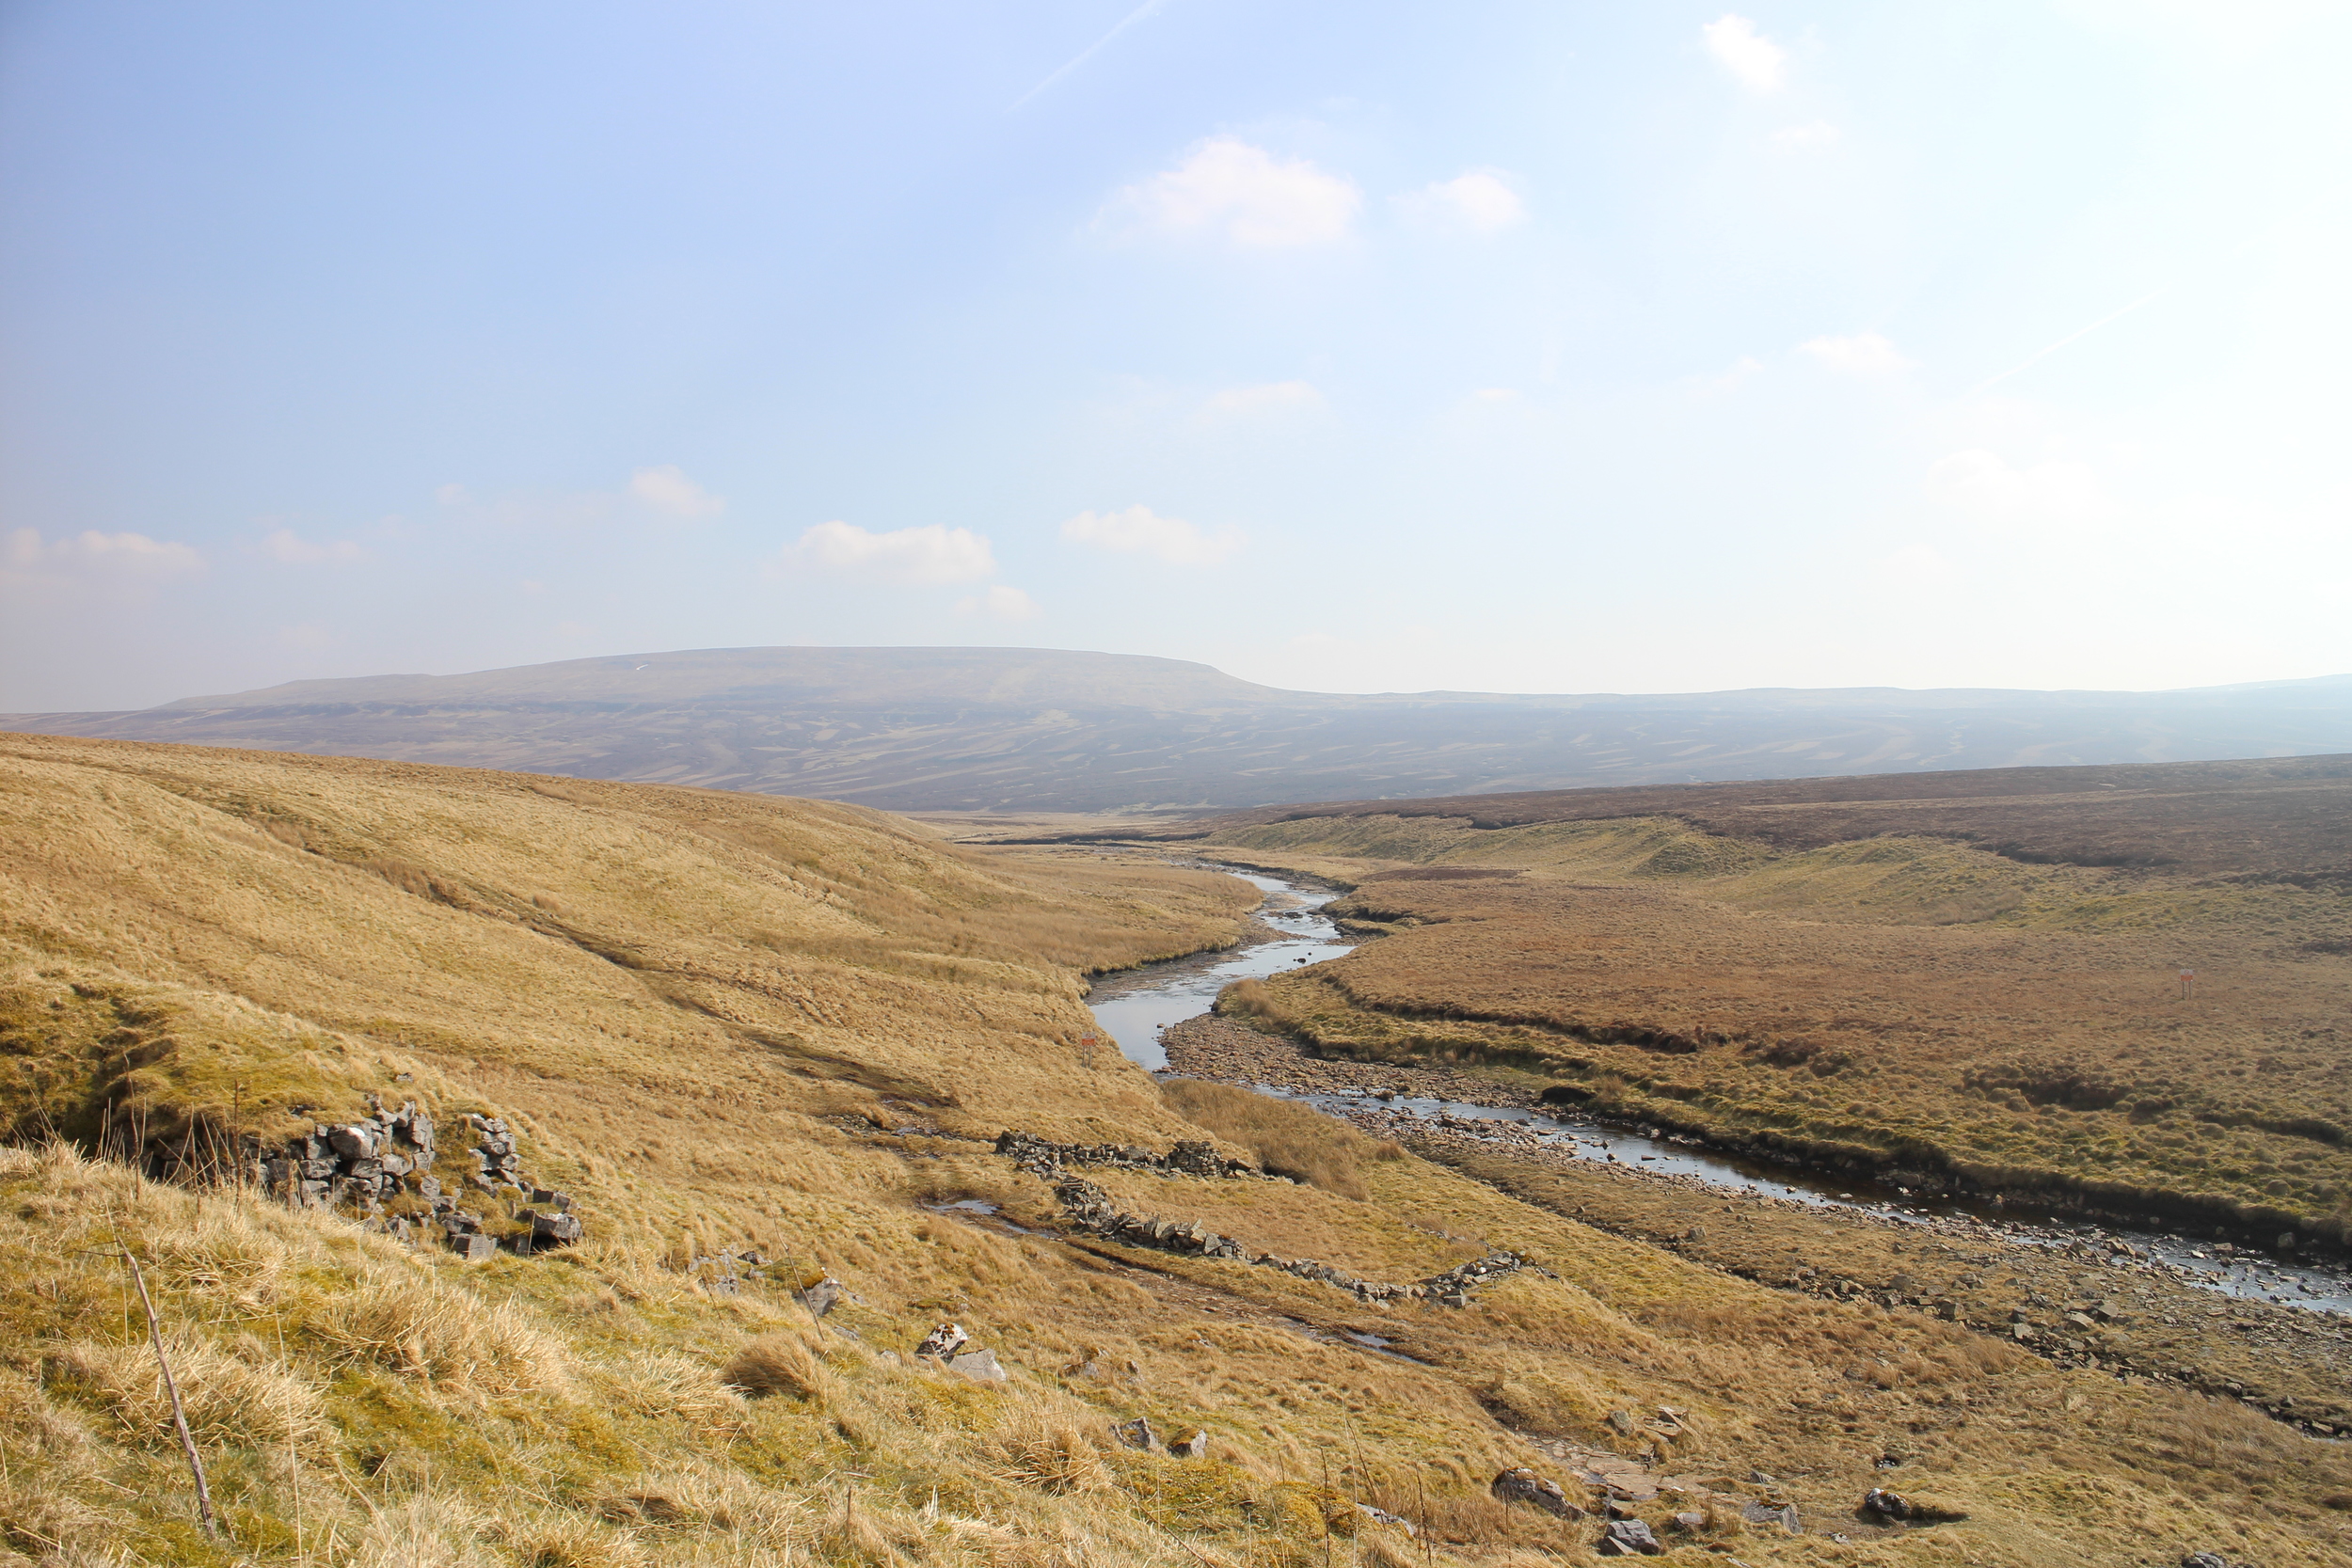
(1048, 730)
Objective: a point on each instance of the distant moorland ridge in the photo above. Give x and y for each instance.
(2287, 817)
(1026, 728)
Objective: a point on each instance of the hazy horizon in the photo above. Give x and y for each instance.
(641, 653)
(1541, 350)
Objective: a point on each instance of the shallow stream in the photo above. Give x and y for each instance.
(1135, 1009)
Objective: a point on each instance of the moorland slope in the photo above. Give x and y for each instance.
(764, 1042)
(1969, 982)
(1042, 730)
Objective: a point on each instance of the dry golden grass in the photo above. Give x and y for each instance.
(710, 1018)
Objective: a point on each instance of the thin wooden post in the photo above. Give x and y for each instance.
(179, 1415)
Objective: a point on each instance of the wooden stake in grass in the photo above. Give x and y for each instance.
(179, 1415)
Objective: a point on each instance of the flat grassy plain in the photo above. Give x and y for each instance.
(728, 1023)
(1910, 1005)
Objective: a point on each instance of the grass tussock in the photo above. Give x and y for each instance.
(1041, 1446)
(1287, 1140)
(775, 1364)
(419, 1328)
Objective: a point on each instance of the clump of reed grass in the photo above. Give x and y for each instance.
(1287, 1140)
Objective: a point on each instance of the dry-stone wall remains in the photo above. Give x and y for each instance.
(1090, 1208)
(1189, 1156)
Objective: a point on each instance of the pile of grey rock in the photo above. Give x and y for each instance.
(360, 1163)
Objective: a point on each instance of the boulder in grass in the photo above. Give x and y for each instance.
(1628, 1538)
(1137, 1434)
(1194, 1447)
(978, 1365)
(474, 1247)
(1524, 1485)
(561, 1229)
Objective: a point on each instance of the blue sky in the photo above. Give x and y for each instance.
(1516, 347)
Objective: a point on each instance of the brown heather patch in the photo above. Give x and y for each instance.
(1898, 1005)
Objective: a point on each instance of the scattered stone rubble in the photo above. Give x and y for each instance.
(1453, 1287)
(1138, 1433)
(366, 1164)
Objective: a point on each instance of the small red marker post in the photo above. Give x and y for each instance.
(2188, 985)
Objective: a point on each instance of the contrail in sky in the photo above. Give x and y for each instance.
(2084, 332)
(1131, 18)
(2247, 244)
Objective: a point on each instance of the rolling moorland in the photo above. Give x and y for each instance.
(1040, 730)
(1963, 983)
(765, 1047)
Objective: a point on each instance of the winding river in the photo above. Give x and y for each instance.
(1135, 1007)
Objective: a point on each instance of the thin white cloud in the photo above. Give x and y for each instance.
(1804, 138)
(1747, 53)
(1730, 381)
(1985, 487)
(125, 552)
(1863, 353)
(1919, 566)
(1274, 397)
(1140, 531)
(1479, 200)
(667, 490)
(287, 545)
(929, 554)
(999, 602)
(1227, 189)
